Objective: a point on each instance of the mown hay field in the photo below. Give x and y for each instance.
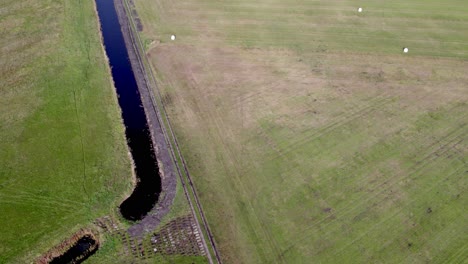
(63, 154)
(311, 137)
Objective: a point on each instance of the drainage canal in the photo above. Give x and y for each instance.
(146, 192)
(79, 252)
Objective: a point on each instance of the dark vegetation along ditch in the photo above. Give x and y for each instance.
(146, 192)
(79, 252)
(76, 249)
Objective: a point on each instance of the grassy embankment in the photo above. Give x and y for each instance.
(63, 155)
(310, 135)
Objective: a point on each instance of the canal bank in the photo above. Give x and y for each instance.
(155, 116)
(161, 147)
(126, 7)
(155, 133)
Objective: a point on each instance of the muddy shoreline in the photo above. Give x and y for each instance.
(161, 147)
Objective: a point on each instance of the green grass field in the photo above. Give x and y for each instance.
(63, 154)
(310, 136)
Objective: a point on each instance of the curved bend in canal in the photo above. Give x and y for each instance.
(148, 188)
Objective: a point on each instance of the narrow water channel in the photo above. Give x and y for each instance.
(146, 192)
(78, 253)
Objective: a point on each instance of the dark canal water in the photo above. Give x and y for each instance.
(147, 190)
(79, 252)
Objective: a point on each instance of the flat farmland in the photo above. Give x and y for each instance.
(310, 136)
